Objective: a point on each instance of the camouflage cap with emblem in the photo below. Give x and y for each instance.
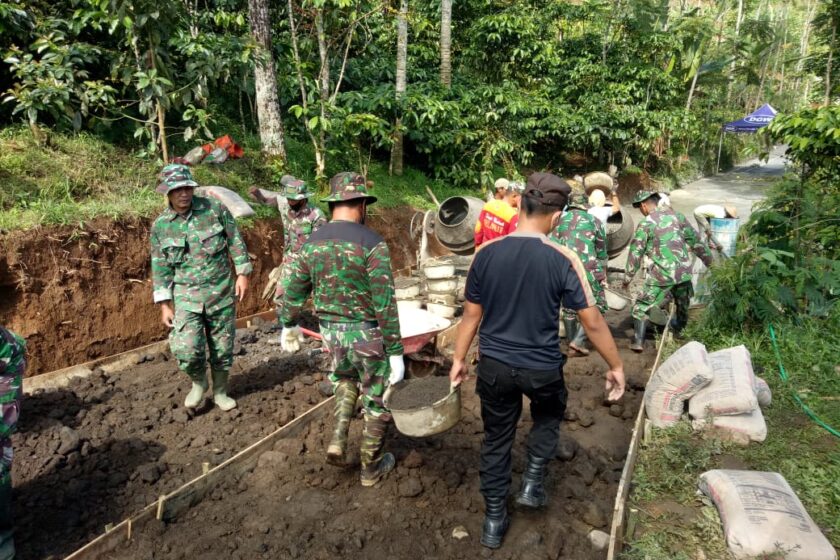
(348, 186)
(578, 201)
(175, 176)
(294, 189)
(640, 197)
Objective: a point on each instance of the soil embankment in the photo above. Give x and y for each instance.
(81, 293)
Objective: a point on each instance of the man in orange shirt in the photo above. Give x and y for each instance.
(498, 217)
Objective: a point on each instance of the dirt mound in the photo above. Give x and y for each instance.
(294, 505)
(77, 294)
(107, 446)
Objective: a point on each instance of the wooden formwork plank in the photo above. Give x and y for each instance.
(194, 491)
(113, 363)
(617, 530)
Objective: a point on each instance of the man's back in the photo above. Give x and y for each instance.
(496, 219)
(660, 237)
(521, 281)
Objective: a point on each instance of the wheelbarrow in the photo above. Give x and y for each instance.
(417, 328)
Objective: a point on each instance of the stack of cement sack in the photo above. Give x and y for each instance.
(763, 517)
(721, 390)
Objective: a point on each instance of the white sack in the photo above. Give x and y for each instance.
(677, 379)
(235, 203)
(731, 390)
(745, 428)
(762, 516)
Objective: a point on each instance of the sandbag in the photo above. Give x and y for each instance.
(731, 390)
(195, 156)
(763, 517)
(235, 203)
(762, 392)
(675, 381)
(743, 428)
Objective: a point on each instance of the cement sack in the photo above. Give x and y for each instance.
(676, 380)
(743, 428)
(763, 517)
(235, 203)
(732, 388)
(762, 392)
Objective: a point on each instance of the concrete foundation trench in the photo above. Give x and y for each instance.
(118, 445)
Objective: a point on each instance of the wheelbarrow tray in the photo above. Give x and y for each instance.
(418, 327)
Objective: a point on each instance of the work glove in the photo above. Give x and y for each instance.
(290, 338)
(397, 369)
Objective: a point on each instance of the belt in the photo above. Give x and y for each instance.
(352, 326)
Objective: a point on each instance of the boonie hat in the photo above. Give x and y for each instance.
(501, 184)
(578, 201)
(175, 176)
(348, 186)
(548, 189)
(640, 197)
(295, 189)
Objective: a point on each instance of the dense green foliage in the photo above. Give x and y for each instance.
(634, 82)
(788, 263)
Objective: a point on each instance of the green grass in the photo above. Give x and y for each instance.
(73, 179)
(670, 463)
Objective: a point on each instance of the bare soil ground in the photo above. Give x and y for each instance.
(106, 446)
(294, 505)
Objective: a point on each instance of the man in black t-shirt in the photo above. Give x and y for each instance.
(515, 288)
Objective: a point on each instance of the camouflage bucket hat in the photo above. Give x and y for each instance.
(295, 190)
(578, 201)
(175, 176)
(348, 186)
(640, 197)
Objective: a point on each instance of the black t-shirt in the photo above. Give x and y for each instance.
(521, 281)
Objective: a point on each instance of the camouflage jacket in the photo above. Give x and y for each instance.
(698, 247)
(660, 237)
(190, 262)
(12, 363)
(347, 267)
(298, 226)
(582, 233)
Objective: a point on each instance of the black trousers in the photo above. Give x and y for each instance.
(500, 388)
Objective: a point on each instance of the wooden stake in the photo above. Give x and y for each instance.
(161, 502)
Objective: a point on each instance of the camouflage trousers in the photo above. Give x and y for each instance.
(358, 355)
(9, 410)
(280, 290)
(190, 334)
(597, 292)
(653, 295)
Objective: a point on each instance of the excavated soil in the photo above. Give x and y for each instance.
(294, 505)
(81, 293)
(106, 446)
(418, 393)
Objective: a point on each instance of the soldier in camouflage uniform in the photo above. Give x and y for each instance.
(581, 232)
(347, 267)
(695, 242)
(300, 220)
(12, 364)
(193, 242)
(659, 237)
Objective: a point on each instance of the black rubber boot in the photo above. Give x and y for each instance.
(680, 320)
(533, 493)
(639, 328)
(496, 522)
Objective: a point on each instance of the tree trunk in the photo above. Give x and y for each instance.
(446, 43)
(735, 53)
(402, 54)
(691, 91)
(324, 91)
(265, 80)
(161, 119)
(827, 99)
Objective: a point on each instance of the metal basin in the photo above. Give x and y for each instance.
(429, 420)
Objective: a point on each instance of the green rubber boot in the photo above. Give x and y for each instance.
(375, 463)
(220, 387)
(196, 395)
(346, 393)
